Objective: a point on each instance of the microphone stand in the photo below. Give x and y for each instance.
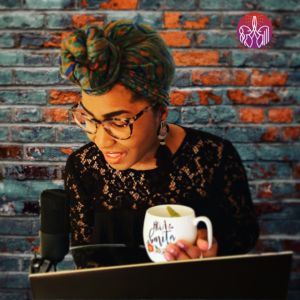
(40, 265)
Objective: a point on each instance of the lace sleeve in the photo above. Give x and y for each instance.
(237, 229)
(81, 210)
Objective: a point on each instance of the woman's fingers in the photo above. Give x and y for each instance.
(181, 251)
(202, 244)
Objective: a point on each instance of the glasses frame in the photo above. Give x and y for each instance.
(129, 121)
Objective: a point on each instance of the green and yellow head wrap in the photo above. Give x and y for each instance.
(95, 58)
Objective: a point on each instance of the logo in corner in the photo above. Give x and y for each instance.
(254, 30)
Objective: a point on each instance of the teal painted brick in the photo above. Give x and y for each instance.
(62, 21)
(17, 245)
(174, 115)
(287, 40)
(23, 20)
(215, 130)
(26, 114)
(14, 190)
(264, 60)
(15, 227)
(154, 4)
(291, 21)
(72, 134)
(152, 19)
(22, 172)
(37, 97)
(223, 114)
(7, 40)
(297, 114)
(217, 39)
(195, 115)
(44, 4)
(3, 133)
(246, 134)
(19, 208)
(294, 78)
(47, 153)
(36, 227)
(278, 5)
(11, 58)
(280, 153)
(9, 4)
(37, 59)
(277, 210)
(33, 134)
(38, 77)
(5, 77)
(290, 95)
(246, 151)
(230, 20)
(182, 78)
(33, 40)
(290, 227)
(8, 264)
(227, 5)
(14, 295)
(214, 19)
(264, 170)
(279, 190)
(295, 60)
(14, 281)
(5, 115)
(180, 4)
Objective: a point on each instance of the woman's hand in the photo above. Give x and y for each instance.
(184, 250)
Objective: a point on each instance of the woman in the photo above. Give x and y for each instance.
(136, 160)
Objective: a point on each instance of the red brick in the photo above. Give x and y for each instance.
(59, 97)
(297, 171)
(240, 97)
(220, 77)
(178, 97)
(176, 38)
(196, 58)
(81, 20)
(11, 152)
(56, 39)
(291, 133)
(116, 4)
(278, 115)
(204, 95)
(67, 150)
(172, 21)
(270, 134)
(56, 115)
(253, 115)
(80, 118)
(275, 78)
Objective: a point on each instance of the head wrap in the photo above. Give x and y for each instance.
(95, 58)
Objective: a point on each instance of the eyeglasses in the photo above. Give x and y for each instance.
(118, 128)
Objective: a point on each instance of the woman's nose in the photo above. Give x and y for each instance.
(103, 139)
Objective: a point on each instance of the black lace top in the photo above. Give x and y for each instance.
(108, 205)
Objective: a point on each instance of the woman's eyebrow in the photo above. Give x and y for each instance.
(109, 115)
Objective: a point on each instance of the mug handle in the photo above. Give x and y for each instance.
(208, 226)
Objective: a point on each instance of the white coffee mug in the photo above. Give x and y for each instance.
(160, 229)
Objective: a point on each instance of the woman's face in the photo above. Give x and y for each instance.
(138, 151)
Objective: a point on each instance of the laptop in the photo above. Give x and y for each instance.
(248, 276)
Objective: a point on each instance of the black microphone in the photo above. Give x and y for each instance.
(54, 207)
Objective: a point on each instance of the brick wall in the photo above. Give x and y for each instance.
(250, 99)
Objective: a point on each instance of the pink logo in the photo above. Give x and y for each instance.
(254, 30)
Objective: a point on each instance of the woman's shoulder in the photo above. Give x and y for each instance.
(201, 147)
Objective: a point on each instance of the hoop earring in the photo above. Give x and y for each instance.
(163, 154)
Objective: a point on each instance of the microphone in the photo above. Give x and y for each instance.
(54, 207)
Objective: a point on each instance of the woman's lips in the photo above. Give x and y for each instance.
(114, 158)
